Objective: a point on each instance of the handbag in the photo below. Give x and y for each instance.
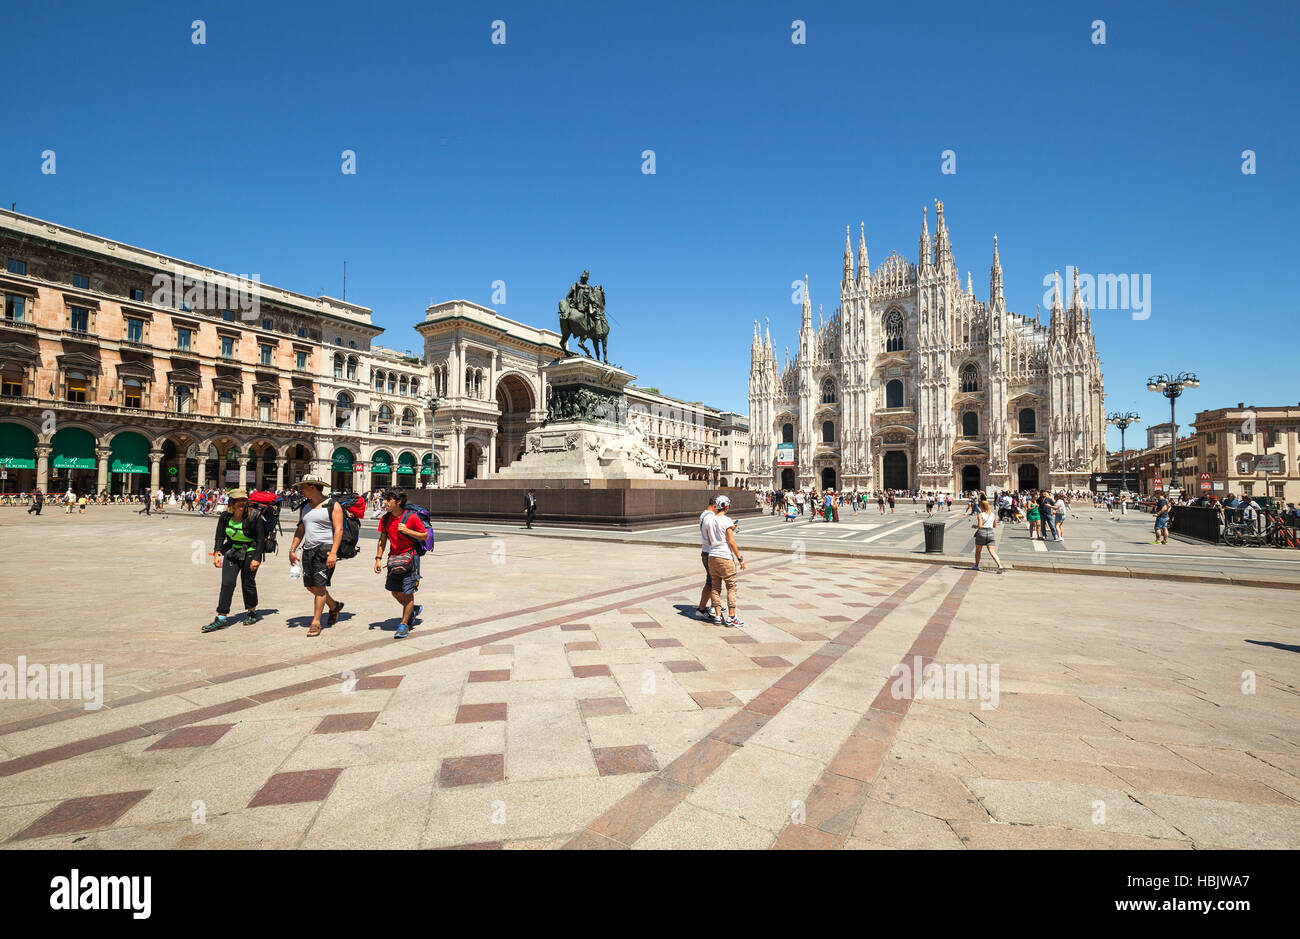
(400, 563)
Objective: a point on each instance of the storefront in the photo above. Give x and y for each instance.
(128, 472)
(428, 471)
(341, 466)
(17, 459)
(406, 470)
(72, 462)
(381, 470)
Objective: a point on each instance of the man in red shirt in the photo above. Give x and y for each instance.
(401, 535)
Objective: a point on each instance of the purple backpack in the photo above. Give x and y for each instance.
(420, 512)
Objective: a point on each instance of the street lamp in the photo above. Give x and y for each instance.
(1122, 420)
(1171, 386)
(432, 402)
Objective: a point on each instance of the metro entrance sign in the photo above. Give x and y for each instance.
(1158, 482)
(1205, 481)
(357, 467)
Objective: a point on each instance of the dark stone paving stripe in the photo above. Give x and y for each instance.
(832, 806)
(644, 807)
(163, 725)
(42, 720)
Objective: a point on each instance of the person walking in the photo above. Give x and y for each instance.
(1046, 515)
(985, 526)
(880, 502)
(1058, 516)
(319, 532)
(38, 502)
(530, 507)
(401, 530)
(1161, 511)
(146, 504)
(724, 554)
(891, 502)
(237, 552)
(707, 592)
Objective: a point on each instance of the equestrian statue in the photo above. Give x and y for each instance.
(582, 314)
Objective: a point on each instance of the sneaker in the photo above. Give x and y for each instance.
(403, 631)
(219, 623)
(718, 621)
(252, 618)
(703, 614)
(415, 613)
(1157, 541)
(735, 621)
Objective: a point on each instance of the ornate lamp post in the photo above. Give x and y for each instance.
(1171, 386)
(1122, 420)
(432, 403)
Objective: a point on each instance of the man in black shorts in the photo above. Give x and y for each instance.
(401, 530)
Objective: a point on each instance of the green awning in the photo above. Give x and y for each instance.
(381, 462)
(427, 466)
(17, 447)
(343, 460)
(73, 448)
(130, 454)
(406, 464)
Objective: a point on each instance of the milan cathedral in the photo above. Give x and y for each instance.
(913, 383)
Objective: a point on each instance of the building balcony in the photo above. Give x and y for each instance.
(23, 325)
(154, 414)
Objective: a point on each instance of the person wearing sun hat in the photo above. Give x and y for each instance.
(237, 553)
(319, 532)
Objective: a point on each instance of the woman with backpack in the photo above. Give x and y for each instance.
(405, 535)
(237, 553)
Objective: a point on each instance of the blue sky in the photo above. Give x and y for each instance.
(522, 162)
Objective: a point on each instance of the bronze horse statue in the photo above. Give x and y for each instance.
(586, 324)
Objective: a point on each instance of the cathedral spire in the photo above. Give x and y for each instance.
(864, 265)
(925, 238)
(970, 287)
(848, 257)
(996, 296)
(807, 306)
(767, 339)
(942, 248)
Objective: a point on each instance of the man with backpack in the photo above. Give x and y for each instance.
(401, 529)
(320, 533)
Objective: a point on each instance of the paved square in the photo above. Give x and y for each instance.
(864, 704)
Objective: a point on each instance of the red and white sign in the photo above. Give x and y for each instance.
(1159, 482)
(358, 467)
(1205, 481)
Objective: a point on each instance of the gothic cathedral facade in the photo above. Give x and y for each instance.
(915, 384)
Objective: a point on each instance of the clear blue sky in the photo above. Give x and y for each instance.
(522, 162)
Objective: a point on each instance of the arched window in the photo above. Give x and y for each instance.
(392, 384)
(415, 387)
(385, 417)
(379, 381)
(970, 424)
(970, 378)
(184, 399)
(408, 421)
(343, 410)
(352, 368)
(338, 365)
(133, 393)
(401, 385)
(787, 433)
(1028, 421)
(894, 335)
(828, 432)
(828, 392)
(894, 394)
(264, 408)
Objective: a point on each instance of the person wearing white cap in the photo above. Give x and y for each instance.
(720, 535)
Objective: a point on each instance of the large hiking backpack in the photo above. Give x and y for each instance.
(420, 512)
(268, 505)
(353, 506)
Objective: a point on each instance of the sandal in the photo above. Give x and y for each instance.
(334, 616)
(314, 631)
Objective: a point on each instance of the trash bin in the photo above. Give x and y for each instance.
(934, 537)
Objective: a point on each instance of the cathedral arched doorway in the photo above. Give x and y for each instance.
(895, 476)
(787, 478)
(970, 478)
(828, 478)
(1027, 477)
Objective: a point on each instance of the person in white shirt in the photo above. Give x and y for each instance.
(985, 524)
(720, 534)
(1058, 514)
(703, 608)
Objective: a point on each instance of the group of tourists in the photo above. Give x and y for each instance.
(328, 531)
(825, 504)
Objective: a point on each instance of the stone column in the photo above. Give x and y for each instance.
(221, 471)
(243, 472)
(202, 471)
(101, 482)
(492, 453)
(279, 475)
(458, 457)
(43, 466)
(154, 457)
